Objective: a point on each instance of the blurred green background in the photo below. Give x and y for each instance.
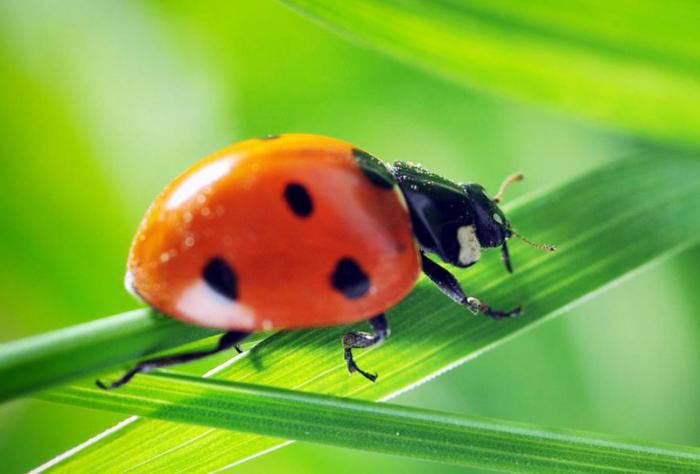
(103, 103)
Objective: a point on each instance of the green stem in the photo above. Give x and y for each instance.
(384, 428)
(49, 359)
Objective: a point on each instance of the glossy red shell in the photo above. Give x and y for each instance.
(231, 205)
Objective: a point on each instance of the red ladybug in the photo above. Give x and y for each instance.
(302, 230)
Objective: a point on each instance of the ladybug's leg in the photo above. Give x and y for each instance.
(229, 339)
(449, 285)
(357, 340)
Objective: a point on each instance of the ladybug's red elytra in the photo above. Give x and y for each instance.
(299, 230)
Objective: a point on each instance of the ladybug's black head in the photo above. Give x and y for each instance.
(454, 221)
(491, 226)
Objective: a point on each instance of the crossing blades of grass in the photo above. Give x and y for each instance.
(383, 428)
(634, 65)
(49, 359)
(606, 224)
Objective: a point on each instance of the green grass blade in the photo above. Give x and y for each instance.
(606, 224)
(389, 429)
(632, 65)
(49, 359)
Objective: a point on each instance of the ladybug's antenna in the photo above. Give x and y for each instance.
(544, 247)
(507, 182)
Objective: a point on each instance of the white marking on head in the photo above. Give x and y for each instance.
(197, 181)
(469, 247)
(497, 218)
(204, 306)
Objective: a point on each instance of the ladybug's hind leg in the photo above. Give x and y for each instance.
(449, 285)
(228, 340)
(357, 340)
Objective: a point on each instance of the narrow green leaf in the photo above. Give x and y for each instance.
(606, 224)
(48, 359)
(383, 428)
(633, 65)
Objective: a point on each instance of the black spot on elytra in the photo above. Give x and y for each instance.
(299, 199)
(269, 137)
(373, 169)
(349, 279)
(220, 277)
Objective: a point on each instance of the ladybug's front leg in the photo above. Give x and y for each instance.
(357, 340)
(449, 285)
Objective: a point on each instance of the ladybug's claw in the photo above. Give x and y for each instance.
(352, 367)
(449, 285)
(477, 306)
(127, 376)
(107, 386)
(356, 340)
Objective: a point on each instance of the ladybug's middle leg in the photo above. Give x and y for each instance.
(357, 340)
(449, 285)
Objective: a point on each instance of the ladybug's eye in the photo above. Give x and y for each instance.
(497, 218)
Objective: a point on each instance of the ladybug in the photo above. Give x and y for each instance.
(298, 230)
